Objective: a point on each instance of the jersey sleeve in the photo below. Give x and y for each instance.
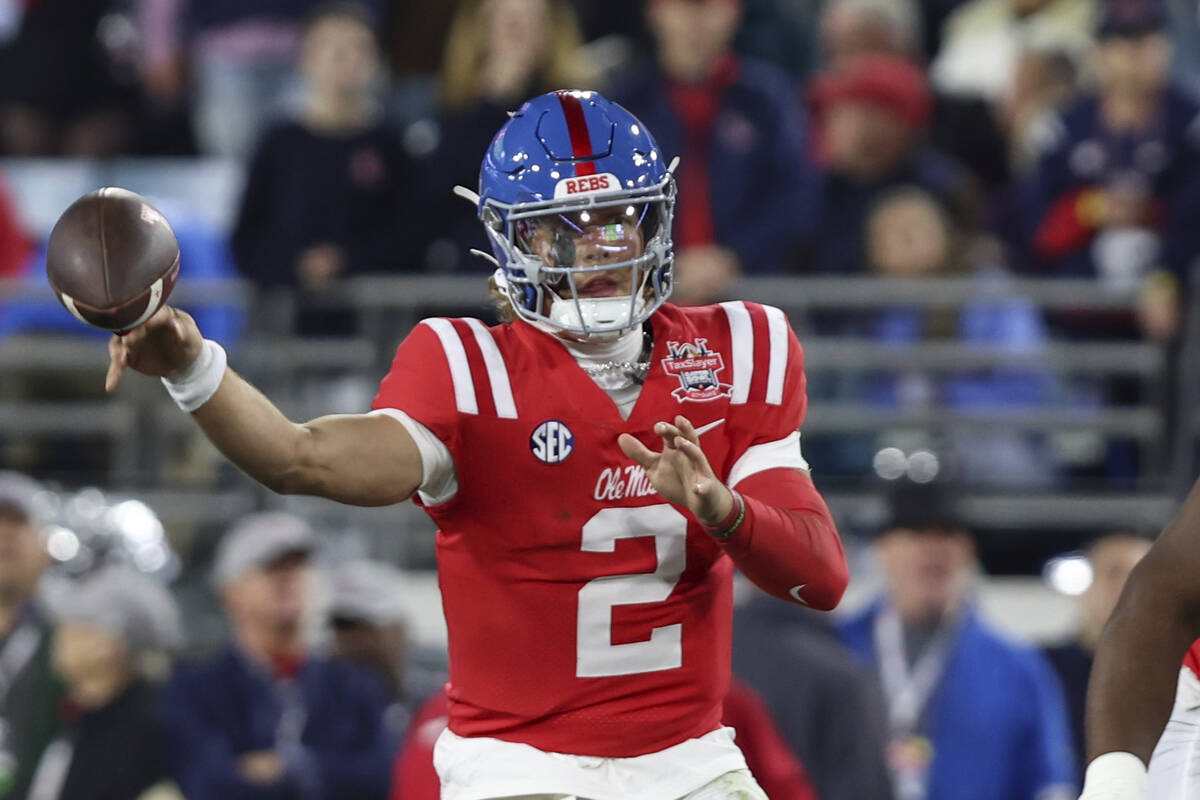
(765, 429)
(419, 384)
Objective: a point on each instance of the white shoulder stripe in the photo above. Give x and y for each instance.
(497, 371)
(778, 327)
(742, 335)
(780, 454)
(460, 370)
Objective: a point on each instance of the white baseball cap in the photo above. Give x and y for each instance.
(258, 541)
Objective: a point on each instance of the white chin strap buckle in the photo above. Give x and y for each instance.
(611, 314)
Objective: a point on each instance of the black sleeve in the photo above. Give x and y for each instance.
(251, 246)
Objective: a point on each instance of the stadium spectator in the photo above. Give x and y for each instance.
(768, 755)
(62, 88)
(962, 127)
(240, 55)
(982, 41)
(744, 179)
(1118, 181)
(949, 680)
(871, 121)
(1111, 558)
(266, 717)
(851, 29)
(828, 708)
(115, 631)
(369, 622)
(1046, 81)
(498, 53)
(325, 192)
(29, 690)
(909, 236)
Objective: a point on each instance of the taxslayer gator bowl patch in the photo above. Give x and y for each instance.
(697, 369)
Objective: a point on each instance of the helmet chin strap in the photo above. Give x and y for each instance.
(589, 313)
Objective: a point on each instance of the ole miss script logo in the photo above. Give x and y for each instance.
(696, 367)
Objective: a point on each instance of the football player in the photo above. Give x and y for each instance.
(1138, 671)
(597, 466)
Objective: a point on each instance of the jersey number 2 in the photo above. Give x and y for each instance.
(596, 655)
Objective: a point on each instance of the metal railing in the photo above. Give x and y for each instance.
(387, 307)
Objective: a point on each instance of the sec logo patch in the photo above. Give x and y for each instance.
(552, 441)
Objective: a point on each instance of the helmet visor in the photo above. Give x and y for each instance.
(598, 237)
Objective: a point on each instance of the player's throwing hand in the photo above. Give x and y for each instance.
(681, 472)
(165, 344)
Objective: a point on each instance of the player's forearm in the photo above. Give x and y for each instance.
(1137, 664)
(257, 437)
(1138, 659)
(788, 544)
(359, 459)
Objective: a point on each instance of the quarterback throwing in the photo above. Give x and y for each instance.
(597, 466)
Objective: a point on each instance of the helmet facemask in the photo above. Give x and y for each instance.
(592, 266)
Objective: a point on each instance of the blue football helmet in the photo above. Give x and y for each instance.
(578, 203)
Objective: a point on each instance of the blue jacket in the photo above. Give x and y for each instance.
(761, 182)
(226, 707)
(997, 720)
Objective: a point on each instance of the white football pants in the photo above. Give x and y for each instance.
(738, 785)
(1175, 766)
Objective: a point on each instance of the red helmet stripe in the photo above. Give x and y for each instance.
(581, 140)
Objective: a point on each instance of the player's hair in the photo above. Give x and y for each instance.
(500, 302)
(559, 64)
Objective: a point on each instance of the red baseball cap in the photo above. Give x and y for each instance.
(887, 81)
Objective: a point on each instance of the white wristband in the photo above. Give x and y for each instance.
(192, 387)
(1115, 776)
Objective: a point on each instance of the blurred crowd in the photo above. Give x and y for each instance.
(978, 139)
(315, 687)
(834, 137)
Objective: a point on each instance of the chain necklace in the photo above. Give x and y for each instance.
(633, 369)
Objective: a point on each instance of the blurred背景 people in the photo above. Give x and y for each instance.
(1118, 179)
(239, 55)
(871, 120)
(745, 182)
(949, 680)
(369, 620)
(29, 690)
(63, 88)
(324, 195)
(116, 631)
(498, 53)
(982, 41)
(266, 717)
(1111, 557)
(828, 707)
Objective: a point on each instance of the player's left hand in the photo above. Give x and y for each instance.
(681, 472)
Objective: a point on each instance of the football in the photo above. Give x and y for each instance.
(112, 259)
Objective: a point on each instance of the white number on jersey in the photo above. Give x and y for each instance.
(596, 655)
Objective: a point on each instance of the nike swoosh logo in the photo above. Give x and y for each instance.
(795, 593)
(703, 429)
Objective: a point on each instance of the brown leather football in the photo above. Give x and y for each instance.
(112, 259)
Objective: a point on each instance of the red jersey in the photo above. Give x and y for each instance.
(586, 615)
(1192, 659)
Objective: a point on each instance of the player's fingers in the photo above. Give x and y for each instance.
(695, 456)
(116, 364)
(632, 448)
(668, 432)
(686, 428)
